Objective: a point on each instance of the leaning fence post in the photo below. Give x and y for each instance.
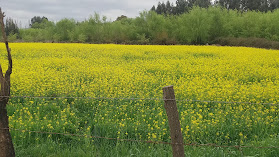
(174, 124)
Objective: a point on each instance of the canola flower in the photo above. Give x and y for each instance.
(232, 74)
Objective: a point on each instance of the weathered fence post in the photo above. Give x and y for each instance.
(174, 124)
(6, 144)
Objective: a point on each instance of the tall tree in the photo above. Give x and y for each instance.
(164, 10)
(216, 23)
(153, 8)
(264, 6)
(273, 4)
(169, 8)
(200, 3)
(181, 6)
(64, 28)
(11, 27)
(250, 5)
(230, 4)
(159, 9)
(245, 5)
(37, 19)
(121, 17)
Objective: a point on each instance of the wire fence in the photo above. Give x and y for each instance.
(156, 99)
(141, 141)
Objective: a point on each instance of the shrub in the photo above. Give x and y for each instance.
(247, 42)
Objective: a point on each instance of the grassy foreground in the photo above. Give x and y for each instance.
(116, 71)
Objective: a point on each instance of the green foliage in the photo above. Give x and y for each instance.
(196, 26)
(247, 42)
(64, 29)
(256, 5)
(44, 24)
(183, 6)
(30, 35)
(12, 37)
(36, 20)
(11, 27)
(217, 23)
(82, 38)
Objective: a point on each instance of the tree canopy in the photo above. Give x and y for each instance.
(182, 6)
(37, 20)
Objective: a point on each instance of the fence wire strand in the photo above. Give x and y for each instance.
(156, 99)
(142, 141)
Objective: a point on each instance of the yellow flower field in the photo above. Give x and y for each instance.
(206, 73)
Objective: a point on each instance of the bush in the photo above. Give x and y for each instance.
(247, 42)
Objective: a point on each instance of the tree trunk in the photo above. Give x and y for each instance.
(6, 144)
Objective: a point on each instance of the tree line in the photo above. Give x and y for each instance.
(196, 26)
(182, 6)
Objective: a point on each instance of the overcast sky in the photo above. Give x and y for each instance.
(23, 10)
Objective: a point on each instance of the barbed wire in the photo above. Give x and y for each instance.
(142, 141)
(156, 99)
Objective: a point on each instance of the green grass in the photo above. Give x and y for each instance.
(40, 144)
(53, 148)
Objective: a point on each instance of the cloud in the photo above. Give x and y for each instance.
(56, 10)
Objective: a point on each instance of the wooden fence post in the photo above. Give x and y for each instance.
(174, 124)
